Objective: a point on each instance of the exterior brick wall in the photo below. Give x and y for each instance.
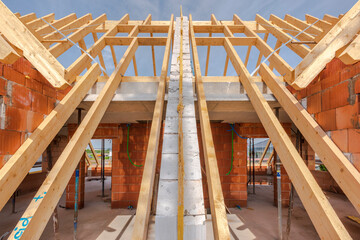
(26, 98)
(333, 100)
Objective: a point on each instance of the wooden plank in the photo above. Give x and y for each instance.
(321, 213)
(351, 54)
(217, 205)
(37, 23)
(40, 210)
(340, 35)
(280, 64)
(8, 55)
(79, 65)
(27, 18)
(19, 35)
(113, 55)
(331, 19)
(300, 50)
(94, 153)
(68, 28)
(264, 153)
(79, 34)
(227, 33)
(214, 21)
(325, 26)
(14, 171)
(147, 183)
(291, 29)
(101, 58)
(302, 25)
(344, 173)
(148, 22)
(46, 29)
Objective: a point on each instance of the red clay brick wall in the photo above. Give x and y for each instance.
(25, 99)
(126, 178)
(333, 100)
(234, 185)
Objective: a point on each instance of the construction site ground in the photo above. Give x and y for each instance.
(260, 216)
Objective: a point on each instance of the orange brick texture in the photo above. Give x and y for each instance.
(333, 100)
(26, 98)
(234, 184)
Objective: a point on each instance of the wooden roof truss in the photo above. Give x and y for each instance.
(316, 45)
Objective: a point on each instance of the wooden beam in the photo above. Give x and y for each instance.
(277, 45)
(213, 22)
(227, 33)
(40, 210)
(344, 173)
(113, 54)
(46, 29)
(79, 34)
(101, 58)
(265, 151)
(8, 55)
(302, 25)
(19, 35)
(147, 183)
(323, 216)
(325, 26)
(291, 29)
(27, 18)
(330, 19)
(279, 63)
(219, 41)
(351, 54)
(247, 55)
(79, 65)
(15, 170)
(266, 36)
(340, 35)
(217, 205)
(94, 153)
(148, 22)
(300, 50)
(37, 23)
(68, 28)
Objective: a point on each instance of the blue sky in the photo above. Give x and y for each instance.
(200, 9)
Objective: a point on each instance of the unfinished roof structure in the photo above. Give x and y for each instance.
(176, 98)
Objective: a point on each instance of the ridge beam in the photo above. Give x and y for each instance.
(147, 183)
(216, 197)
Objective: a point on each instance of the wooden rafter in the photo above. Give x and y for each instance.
(344, 173)
(279, 63)
(46, 29)
(16, 168)
(40, 210)
(218, 212)
(147, 182)
(8, 54)
(79, 34)
(282, 37)
(79, 65)
(323, 216)
(340, 35)
(20, 36)
(291, 29)
(68, 28)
